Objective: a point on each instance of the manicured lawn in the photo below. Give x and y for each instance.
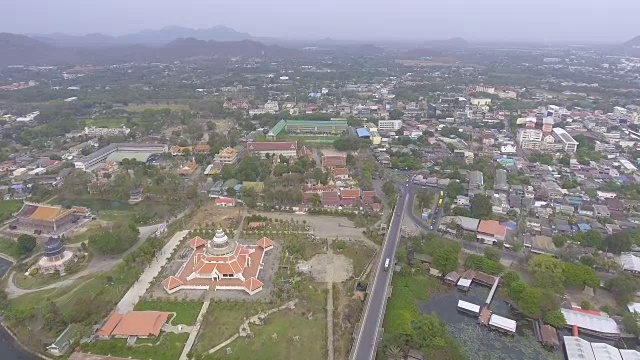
(9, 247)
(186, 312)
(169, 348)
(8, 208)
(159, 106)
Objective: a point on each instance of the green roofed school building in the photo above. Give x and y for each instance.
(309, 127)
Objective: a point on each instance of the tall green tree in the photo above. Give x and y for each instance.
(481, 207)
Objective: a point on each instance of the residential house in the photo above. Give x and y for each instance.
(271, 106)
(62, 343)
(476, 183)
(552, 190)
(500, 203)
(462, 200)
(491, 231)
(630, 263)
(225, 202)
(601, 211)
(501, 180)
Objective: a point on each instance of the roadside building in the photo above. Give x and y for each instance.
(591, 323)
(275, 148)
(491, 231)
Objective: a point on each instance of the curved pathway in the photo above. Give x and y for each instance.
(96, 266)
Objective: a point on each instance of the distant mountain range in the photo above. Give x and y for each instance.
(145, 37)
(23, 50)
(635, 42)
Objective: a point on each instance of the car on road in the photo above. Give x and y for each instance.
(387, 263)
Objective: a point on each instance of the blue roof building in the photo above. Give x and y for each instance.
(584, 227)
(363, 133)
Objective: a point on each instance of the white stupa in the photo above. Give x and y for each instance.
(220, 244)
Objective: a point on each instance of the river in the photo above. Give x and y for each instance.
(9, 349)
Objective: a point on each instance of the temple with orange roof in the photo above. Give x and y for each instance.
(220, 264)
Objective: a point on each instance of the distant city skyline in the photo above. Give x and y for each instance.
(591, 21)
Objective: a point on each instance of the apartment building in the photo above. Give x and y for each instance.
(530, 139)
(389, 125)
(569, 143)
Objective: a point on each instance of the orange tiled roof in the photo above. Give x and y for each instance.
(171, 282)
(134, 323)
(49, 213)
(196, 242)
(252, 284)
(340, 171)
(350, 193)
(492, 227)
(265, 242)
(109, 325)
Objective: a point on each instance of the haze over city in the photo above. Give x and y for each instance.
(497, 20)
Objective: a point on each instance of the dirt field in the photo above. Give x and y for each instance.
(210, 216)
(330, 268)
(600, 298)
(324, 226)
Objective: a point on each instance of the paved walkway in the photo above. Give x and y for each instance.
(195, 330)
(95, 266)
(131, 298)
(330, 307)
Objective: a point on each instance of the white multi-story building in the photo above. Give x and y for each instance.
(530, 138)
(96, 131)
(600, 146)
(389, 125)
(272, 106)
(569, 143)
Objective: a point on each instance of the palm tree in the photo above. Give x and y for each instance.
(394, 353)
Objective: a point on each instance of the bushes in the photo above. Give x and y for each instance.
(484, 264)
(114, 240)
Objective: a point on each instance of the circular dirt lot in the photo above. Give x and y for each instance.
(331, 268)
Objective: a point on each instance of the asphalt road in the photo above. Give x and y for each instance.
(468, 246)
(377, 292)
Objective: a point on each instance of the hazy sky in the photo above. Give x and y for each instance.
(550, 20)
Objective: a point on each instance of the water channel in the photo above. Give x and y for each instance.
(479, 342)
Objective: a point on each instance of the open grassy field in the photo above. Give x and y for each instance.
(106, 122)
(186, 312)
(169, 348)
(8, 208)
(9, 247)
(222, 320)
(300, 333)
(159, 106)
